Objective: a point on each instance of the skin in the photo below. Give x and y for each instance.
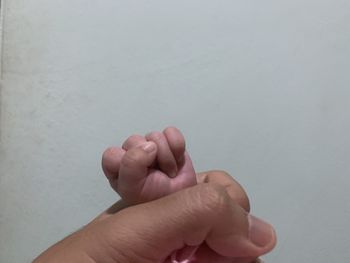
(160, 214)
(140, 176)
(149, 167)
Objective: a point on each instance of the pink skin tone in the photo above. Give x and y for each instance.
(209, 222)
(165, 168)
(162, 168)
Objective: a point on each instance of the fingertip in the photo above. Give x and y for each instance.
(261, 233)
(133, 141)
(110, 162)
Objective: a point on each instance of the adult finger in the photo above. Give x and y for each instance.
(207, 255)
(222, 178)
(150, 232)
(203, 213)
(233, 188)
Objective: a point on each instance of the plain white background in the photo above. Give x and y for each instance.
(259, 88)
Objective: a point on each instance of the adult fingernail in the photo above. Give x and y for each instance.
(260, 232)
(149, 147)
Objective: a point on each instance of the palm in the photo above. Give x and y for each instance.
(158, 184)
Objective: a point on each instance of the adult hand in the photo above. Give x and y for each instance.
(210, 213)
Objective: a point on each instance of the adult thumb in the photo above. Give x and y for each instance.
(204, 213)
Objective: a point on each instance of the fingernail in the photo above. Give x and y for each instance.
(172, 174)
(260, 232)
(185, 254)
(149, 147)
(181, 159)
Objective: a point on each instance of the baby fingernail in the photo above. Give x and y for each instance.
(172, 174)
(185, 254)
(260, 232)
(149, 147)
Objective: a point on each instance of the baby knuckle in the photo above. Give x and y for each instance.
(134, 137)
(156, 135)
(220, 173)
(131, 159)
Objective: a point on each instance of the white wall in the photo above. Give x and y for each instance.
(260, 89)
